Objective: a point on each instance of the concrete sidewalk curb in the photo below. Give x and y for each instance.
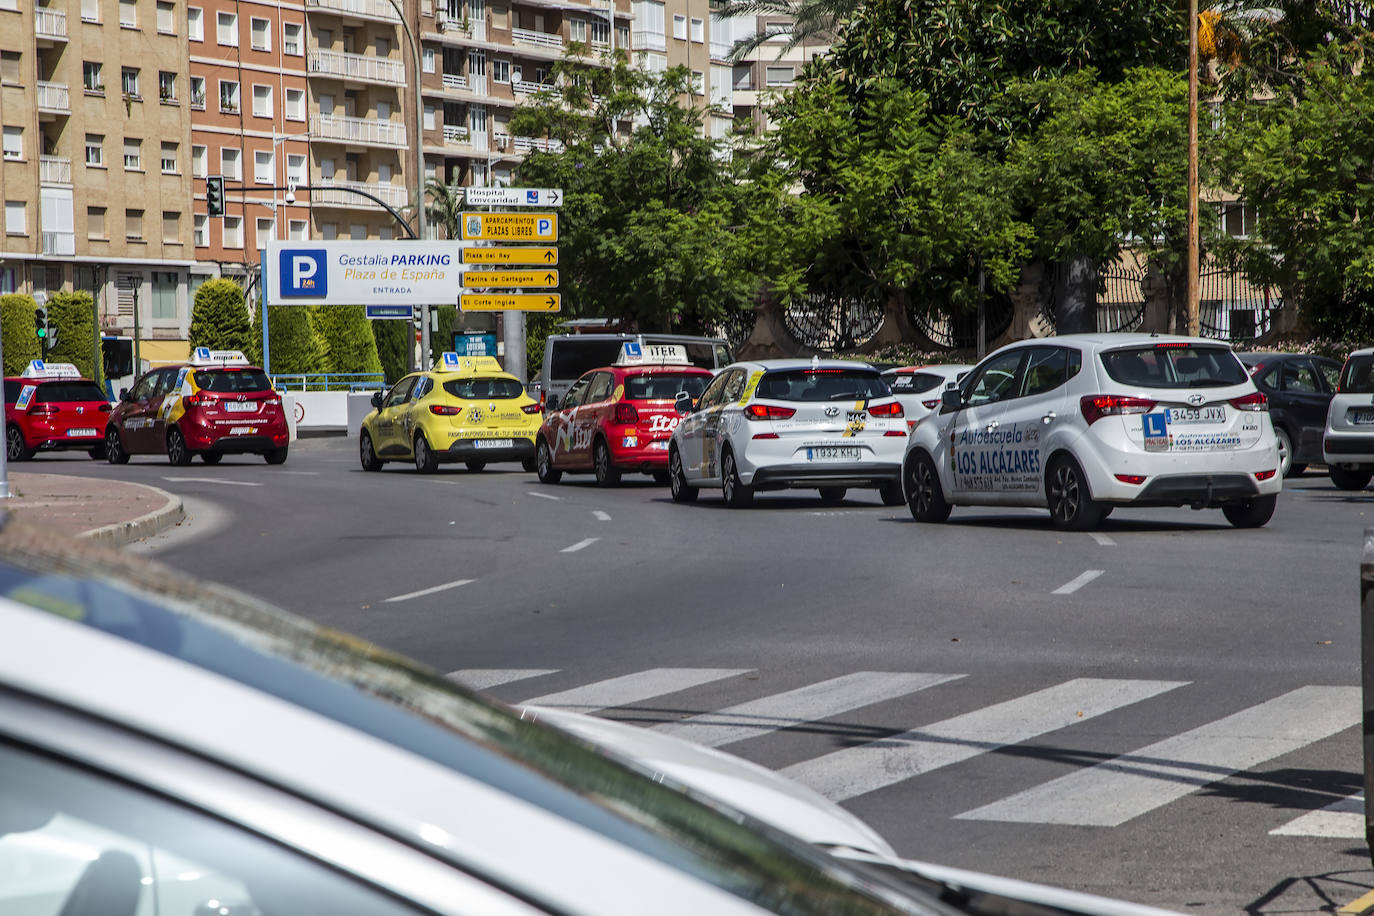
(170, 514)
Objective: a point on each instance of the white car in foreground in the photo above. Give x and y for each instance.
(1348, 443)
(1084, 423)
(772, 424)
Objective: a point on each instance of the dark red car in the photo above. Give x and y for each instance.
(51, 407)
(618, 419)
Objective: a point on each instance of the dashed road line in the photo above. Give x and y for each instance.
(429, 591)
(601, 516)
(227, 483)
(585, 542)
(1073, 585)
(545, 496)
(1102, 539)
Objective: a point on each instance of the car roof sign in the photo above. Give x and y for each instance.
(637, 353)
(452, 362)
(37, 368)
(204, 356)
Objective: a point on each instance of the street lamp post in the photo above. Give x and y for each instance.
(1193, 267)
(135, 282)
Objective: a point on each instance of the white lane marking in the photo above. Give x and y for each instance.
(1073, 585)
(300, 473)
(429, 591)
(631, 688)
(1102, 539)
(227, 483)
(601, 516)
(545, 495)
(484, 678)
(805, 704)
(585, 542)
(847, 773)
(1340, 820)
(1113, 792)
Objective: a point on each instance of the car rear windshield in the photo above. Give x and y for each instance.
(58, 392)
(1174, 366)
(664, 385)
(1358, 375)
(497, 389)
(909, 382)
(569, 359)
(233, 380)
(822, 385)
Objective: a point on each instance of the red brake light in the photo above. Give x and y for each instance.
(1173, 346)
(895, 432)
(765, 435)
(931, 405)
(626, 413)
(534, 408)
(893, 409)
(1096, 406)
(1264, 475)
(43, 410)
(768, 412)
(193, 400)
(1135, 479)
(1255, 400)
(445, 410)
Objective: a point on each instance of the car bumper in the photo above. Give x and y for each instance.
(468, 450)
(1348, 448)
(54, 436)
(652, 456)
(1183, 479)
(221, 437)
(860, 474)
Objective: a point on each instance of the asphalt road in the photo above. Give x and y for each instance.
(1153, 711)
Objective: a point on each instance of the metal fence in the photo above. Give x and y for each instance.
(737, 327)
(960, 332)
(1231, 308)
(1120, 299)
(831, 322)
(330, 381)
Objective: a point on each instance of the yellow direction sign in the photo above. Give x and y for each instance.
(510, 302)
(546, 256)
(511, 227)
(531, 279)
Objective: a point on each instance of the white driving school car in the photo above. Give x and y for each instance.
(1085, 423)
(772, 424)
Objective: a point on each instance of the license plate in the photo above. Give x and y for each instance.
(81, 433)
(1216, 414)
(243, 430)
(494, 443)
(1362, 418)
(240, 406)
(833, 453)
(661, 445)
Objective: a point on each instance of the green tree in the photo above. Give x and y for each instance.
(16, 323)
(219, 317)
(392, 338)
(346, 338)
(441, 339)
(72, 315)
(294, 347)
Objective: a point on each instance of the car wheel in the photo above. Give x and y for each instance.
(426, 462)
(924, 495)
(606, 473)
(367, 456)
(527, 464)
(211, 457)
(1350, 478)
(737, 495)
(177, 452)
(16, 449)
(891, 493)
(96, 451)
(833, 494)
(1072, 507)
(682, 491)
(543, 464)
(1287, 467)
(275, 456)
(114, 448)
(475, 465)
(1251, 513)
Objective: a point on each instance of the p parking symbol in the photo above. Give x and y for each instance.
(304, 273)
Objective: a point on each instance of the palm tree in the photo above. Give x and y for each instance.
(446, 207)
(811, 20)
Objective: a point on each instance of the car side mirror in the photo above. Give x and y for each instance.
(124, 394)
(551, 402)
(377, 399)
(683, 403)
(951, 399)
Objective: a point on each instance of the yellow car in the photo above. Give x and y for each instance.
(465, 409)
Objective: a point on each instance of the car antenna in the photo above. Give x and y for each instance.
(815, 361)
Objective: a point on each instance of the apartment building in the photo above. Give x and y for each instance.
(95, 176)
(764, 72)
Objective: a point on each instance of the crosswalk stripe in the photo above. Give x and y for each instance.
(1341, 820)
(1113, 792)
(486, 678)
(847, 773)
(632, 688)
(805, 704)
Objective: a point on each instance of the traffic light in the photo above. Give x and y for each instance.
(40, 322)
(214, 195)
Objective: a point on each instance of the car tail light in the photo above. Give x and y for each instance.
(195, 400)
(1264, 475)
(1133, 479)
(1255, 400)
(768, 412)
(626, 413)
(893, 409)
(44, 410)
(931, 405)
(765, 435)
(1174, 345)
(535, 408)
(445, 410)
(895, 432)
(1096, 406)
(273, 402)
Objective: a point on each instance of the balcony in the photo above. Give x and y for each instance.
(54, 170)
(455, 134)
(525, 144)
(455, 81)
(649, 41)
(336, 192)
(49, 25)
(53, 99)
(378, 10)
(720, 50)
(358, 67)
(536, 38)
(365, 131)
(475, 29)
(59, 244)
(526, 87)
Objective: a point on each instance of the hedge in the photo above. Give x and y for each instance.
(72, 315)
(16, 324)
(219, 317)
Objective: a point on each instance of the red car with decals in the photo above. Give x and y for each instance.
(51, 407)
(618, 419)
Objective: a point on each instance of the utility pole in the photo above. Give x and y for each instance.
(1194, 267)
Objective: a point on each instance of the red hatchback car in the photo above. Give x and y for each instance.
(52, 407)
(619, 419)
(216, 405)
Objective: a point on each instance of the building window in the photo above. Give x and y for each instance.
(427, 60)
(9, 67)
(14, 143)
(128, 14)
(296, 231)
(577, 30)
(227, 29)
(90, 10)
(264, 230)
(228, 96)
(601, 32)
(680, 27)
(133, 225)
(329, 231)
(166, 86)
(233, 232)
(133, 155)
(260, 34)
(16, 217)
(622, 36)
(357, 232)
(166, 24)
(648, 17)
(198, 160)
(93, 77)
(200, 230)
(262, 101)
(500, 71)
(95, 223)
(229, 163)
(198, 93)
(698, 82)
(429, 117)
(295, 169)
(1238, 219)
(195, 23)
(95, 150)
(164, 292)
(698, 30)
(171, 234)
(169, 158)
(128, 82)
(263, 170)
(295, 104)
(291, 38)
(778, 76)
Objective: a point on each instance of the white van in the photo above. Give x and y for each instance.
(568, 356)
